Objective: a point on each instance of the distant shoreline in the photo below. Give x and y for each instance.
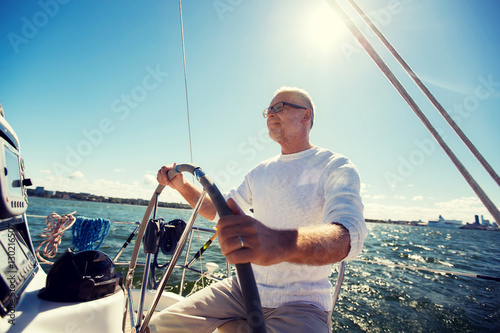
(98, 198)
(141, 202)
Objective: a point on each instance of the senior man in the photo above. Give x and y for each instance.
(307, 215)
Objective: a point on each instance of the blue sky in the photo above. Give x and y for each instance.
(95, 92)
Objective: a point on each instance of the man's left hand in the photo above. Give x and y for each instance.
(243, 239)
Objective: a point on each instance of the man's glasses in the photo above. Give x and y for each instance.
(278, 107)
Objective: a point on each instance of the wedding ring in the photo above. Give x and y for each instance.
(241, 241)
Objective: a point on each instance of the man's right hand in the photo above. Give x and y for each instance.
(175, 183)
(189, 192)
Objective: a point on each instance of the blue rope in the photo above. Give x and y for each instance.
(87, 231)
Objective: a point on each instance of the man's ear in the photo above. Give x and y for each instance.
(307, 116)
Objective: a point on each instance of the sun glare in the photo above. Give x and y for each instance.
(323, 29)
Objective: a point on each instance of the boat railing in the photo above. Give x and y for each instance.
(185, 267)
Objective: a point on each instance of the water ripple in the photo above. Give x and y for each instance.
(375, 297)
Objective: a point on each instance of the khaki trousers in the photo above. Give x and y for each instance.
(222, 304)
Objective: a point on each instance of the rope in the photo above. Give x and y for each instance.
(427, 93)
(88, 231)
(56, 226)
(490, 206)
(119, 222)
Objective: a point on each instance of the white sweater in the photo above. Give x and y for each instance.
(311, 187)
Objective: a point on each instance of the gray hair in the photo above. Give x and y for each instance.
(302, 95)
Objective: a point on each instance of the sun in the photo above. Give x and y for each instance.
(323, 29)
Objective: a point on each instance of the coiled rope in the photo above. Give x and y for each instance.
(87, 231)
(56, 226)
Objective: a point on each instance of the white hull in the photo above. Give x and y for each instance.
(35, 315)
(442, 223)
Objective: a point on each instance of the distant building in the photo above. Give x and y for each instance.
(484, 222)
(41, 192)
(481, 225)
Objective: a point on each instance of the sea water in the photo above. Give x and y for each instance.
(374, 297)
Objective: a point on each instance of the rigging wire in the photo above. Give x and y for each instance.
(185, 81)
(416, 109)
(427, 93)
(187, 101)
